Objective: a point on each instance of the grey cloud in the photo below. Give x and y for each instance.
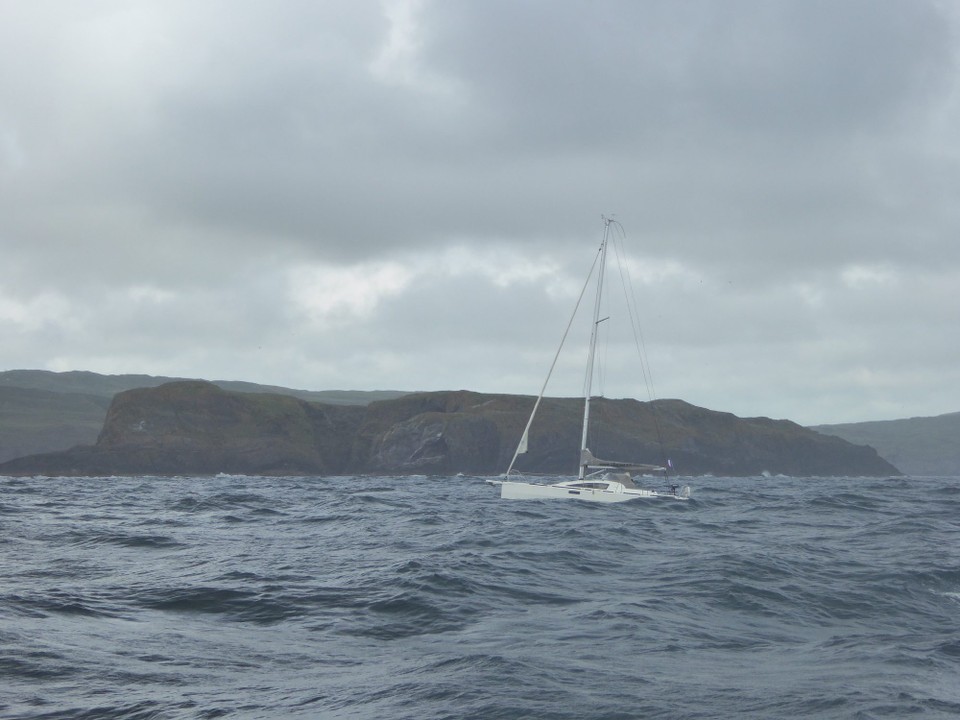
(204, 152)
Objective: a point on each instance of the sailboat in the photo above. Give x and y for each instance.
(606, 481)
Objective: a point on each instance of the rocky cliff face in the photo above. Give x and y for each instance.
(198, 428)
(195, 427)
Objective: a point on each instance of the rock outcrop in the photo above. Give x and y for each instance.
(196, 427)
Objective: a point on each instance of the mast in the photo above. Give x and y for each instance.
(588, 381)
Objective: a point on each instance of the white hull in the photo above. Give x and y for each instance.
(589, 491)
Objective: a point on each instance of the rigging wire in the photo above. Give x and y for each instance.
(632, 310)
(630, 297)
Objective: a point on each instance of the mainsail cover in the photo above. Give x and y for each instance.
(589, 461)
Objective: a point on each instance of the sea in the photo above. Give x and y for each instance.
(151, 598)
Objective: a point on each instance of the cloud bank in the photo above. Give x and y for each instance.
(408, 194)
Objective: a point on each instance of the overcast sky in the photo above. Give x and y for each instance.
(408, 195)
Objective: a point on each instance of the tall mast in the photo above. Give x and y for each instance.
(588, 382)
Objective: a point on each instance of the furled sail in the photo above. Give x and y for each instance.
(587, 460)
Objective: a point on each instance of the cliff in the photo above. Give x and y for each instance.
(195, 427)
(36, 421)
(43, 412)
(918, 446)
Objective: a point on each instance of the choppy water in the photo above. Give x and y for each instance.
(430, 598)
